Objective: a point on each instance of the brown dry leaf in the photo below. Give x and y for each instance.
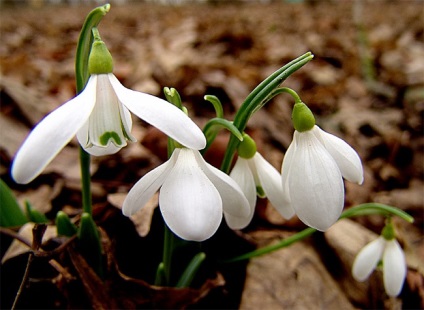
(12, 135)
(27, 99)
(119, 291)
(347, 238)
(143, 218)
(136, 294)
(411, 198)
(66, 163)
(40, 198)
(18, 248)
(94, 287)
(291, 278)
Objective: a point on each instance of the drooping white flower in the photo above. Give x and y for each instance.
(193, 195)
(100, 118)
(394, 265)
(312, 173)
(255, 175)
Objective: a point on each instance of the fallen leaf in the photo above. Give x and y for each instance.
(18, 248)
(141, 219)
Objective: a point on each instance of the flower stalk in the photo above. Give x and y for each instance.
(256, 98)
(359, 210)
(85, 42)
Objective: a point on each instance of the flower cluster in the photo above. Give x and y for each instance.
(194, 196)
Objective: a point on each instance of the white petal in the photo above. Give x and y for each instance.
(161, 114)
(345, 156)
(126, 122)
(367, 259)
(285, 169)
(233, 199)
(270, 180)
(243, 176)
(190, 204)
(315, 183)
(394, 268)
(47, 139)
(149, 184)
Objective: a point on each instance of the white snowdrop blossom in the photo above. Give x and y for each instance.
(394, 265)
(254, 175)
(312, 172)
(100, 118)
(193, 195)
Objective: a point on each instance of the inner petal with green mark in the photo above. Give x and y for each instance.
(110, 135)
(109, 121)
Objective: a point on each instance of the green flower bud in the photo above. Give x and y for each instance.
(302, 117)
(247, 147)
(100, 60)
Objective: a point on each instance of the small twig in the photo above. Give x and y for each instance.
(37, 253)
(59, 268)
(37, 233)
(24, 279)
(59, 249)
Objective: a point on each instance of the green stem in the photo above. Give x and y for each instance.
(282, 244)
(359, 210)
(216, 104)
(286, 90)
(376, 208)
(191, 270)
(276, 92)
(256, 98)
(168, 249)
(85, 181)
(81, 77)
(160, 275)
(214, 125)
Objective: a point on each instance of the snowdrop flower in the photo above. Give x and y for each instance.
(256, 176)
(312, 171)
(193, 195)
(394, 266)
(100, 118)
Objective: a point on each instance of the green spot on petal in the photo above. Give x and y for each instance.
(260, 192)
(104, 139)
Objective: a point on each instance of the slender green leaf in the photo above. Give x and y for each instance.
(34, 215)
(214, 125)
(11, 213)
(64, 225)
(191, 270)
(89, 242)
(84, 45)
